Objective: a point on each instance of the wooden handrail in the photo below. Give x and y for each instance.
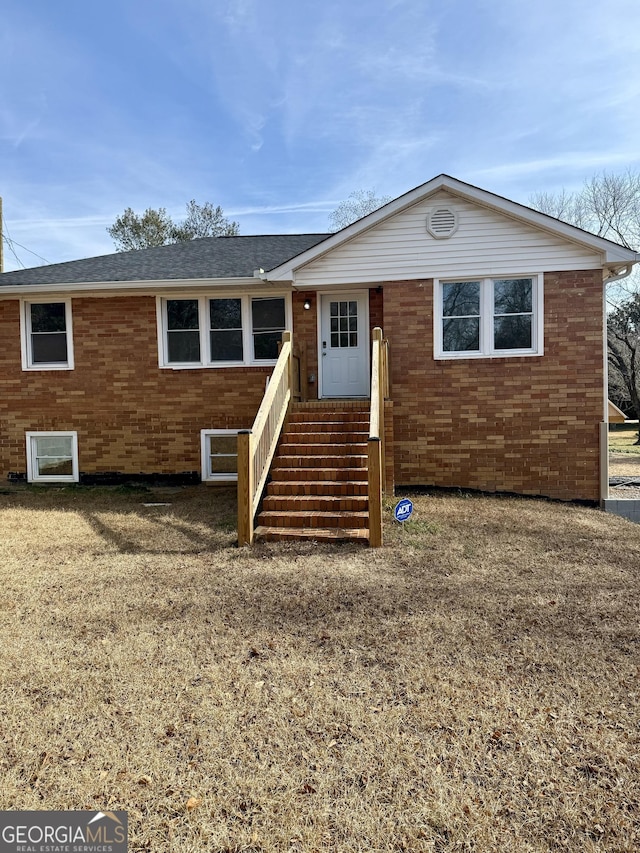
(376, 444)
(257, 446)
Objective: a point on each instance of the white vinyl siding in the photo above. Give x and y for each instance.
(486, 243)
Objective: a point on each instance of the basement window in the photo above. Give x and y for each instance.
(219, 448)
(52, 457)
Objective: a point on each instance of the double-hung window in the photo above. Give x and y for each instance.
(47, 342)
(52, 457)
(489, 317)
(219, 455)
(267, 324)
(217, 331)
(183, 331)
(225, 330)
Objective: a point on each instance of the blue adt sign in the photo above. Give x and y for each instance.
(403, 510)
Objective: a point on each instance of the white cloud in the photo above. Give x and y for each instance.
(278, 111)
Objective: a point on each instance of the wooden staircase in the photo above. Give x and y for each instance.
(319, 487)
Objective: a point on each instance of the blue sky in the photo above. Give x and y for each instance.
(278, 109)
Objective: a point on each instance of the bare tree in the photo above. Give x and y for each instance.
(157, 228)
(358, 204)
(607, 205)
(623, 333)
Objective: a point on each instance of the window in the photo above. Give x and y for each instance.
(52, 457)
(488, 317)
(268, 324)
(219, 455)
(344, 324)
(183, 331)
(46, 335)
(225, 334)
(220, 331)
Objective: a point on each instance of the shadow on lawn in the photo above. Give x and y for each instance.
(185, 537)
(142, 520)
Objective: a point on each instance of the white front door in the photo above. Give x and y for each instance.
(344, 345)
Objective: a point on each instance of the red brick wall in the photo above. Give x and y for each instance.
(305, 336)
(525, 425)
(130, 415)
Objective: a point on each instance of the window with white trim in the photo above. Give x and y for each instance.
(46, 332)
(488, 317)
(52, 457)
(219, 449)
(221, 331)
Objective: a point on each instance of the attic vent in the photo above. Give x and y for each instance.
(442, 222)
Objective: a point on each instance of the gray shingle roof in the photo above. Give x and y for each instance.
(210, 257)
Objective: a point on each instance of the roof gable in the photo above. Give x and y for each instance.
(592, 250)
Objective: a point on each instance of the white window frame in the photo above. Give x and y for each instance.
(487, 349)
(25, 335)
(205, 456)
(203, 327)
(33, 476)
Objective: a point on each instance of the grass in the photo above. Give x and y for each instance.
(624, 454)
(472, 686)
(623, 438)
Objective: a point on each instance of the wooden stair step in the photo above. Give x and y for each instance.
(309, 461)
(315, 450)
(344, 437)
(317, 415)
(328, 426)
(334, 534)
(315, 503)
(318, 487)
(299, 472)
(293, 518)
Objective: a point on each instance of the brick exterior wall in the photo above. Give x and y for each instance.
(131, 416)
(524, 425)
(305, 336)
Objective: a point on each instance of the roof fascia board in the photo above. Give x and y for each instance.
(610, 252)
(98, 288)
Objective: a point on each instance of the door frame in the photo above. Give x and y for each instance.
(342, 294)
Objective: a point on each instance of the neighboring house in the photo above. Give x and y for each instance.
(616, 415)
(151, 361)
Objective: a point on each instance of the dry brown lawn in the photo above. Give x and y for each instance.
(472, 686)
(624, 453)
(624, 465)
(623, 438)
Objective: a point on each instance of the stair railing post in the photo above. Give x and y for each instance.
(286, 337)
(375, 492)
(379, 344)
(245, 487)
(374, 446)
